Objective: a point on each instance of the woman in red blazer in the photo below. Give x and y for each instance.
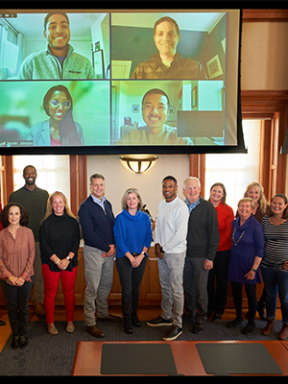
(217, 298)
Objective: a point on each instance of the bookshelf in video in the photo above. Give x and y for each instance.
(118, 78)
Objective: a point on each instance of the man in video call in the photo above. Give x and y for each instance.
(155, 110)
(168, 64)
(58, 60)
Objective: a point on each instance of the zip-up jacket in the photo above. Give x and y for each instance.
(44, 65)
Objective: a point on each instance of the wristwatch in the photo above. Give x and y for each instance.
(254, 270)
(69, 258)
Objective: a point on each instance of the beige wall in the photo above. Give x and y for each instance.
(118, 178)
(264, 56)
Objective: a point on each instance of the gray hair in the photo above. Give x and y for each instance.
(189, 179)
(124, 198)
(96, 176)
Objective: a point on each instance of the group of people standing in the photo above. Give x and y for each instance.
(199, 245)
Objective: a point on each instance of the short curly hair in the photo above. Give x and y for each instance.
(5, 213)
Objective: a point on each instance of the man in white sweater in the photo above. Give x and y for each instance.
(170, 248)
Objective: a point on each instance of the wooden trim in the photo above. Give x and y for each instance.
(197, 168)
(259, 103)
(78, 181)
(7, 178)
(265, 15)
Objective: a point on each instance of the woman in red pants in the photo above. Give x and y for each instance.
(59, 243)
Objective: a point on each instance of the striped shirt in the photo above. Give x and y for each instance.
(276, 244)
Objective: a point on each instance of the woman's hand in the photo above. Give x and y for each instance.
(250, 275)
(17, 281)
(63, 264)
(138, 260)
(285, 265)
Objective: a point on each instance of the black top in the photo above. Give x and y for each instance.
(59, 235)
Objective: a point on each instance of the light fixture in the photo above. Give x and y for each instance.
(138, 163)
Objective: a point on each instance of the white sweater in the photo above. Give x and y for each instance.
(171, 226)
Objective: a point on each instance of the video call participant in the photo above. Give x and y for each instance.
(155, 111)
(58, 60)
(60, 129)
(168, 64)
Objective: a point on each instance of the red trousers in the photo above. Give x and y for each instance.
(51, 282)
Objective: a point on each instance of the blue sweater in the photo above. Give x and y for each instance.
(97, 224)
(132, 233)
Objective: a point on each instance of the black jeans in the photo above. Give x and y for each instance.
(17, 299)
(217, 295)
(250, 290)
(130, 279)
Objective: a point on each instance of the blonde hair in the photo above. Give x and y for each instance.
(262, 200)
(246, 200)
(124, 198)
(49, 208)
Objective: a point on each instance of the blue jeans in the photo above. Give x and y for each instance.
(276, 281)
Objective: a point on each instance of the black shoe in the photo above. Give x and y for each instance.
(197, 328)
(23, 342)
(235, 323)
(128, 326)
(249, 328)
(159, 322)
(135, 320)
(216, 318)
(15, 342)
(173, 333)
(261, 309)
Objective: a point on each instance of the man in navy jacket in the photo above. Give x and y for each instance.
(97, 220)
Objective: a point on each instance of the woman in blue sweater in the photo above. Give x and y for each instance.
(133, 236)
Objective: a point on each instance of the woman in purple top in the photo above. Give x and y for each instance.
(246, 255)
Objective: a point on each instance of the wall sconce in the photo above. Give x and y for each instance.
(138, 163)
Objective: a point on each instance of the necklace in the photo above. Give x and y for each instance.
(236, 242)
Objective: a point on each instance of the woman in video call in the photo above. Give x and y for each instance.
(60, 129)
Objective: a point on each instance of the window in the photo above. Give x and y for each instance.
(235, 171)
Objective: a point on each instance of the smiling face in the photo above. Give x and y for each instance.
(97, 187)
(30, 176)
(166, 38)
(169, 190)
(57, 34)
(58, 205)
(155, 111)
(245, 210)
(132, 201)
(216, 194)
(278, 206)
(14, 215)
(254, 194)
(192, 191)
(58, 105)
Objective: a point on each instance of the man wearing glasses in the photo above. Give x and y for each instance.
(58, 60)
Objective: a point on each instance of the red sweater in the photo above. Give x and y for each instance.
(225, 217)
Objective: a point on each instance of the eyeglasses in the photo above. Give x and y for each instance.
(56, 103)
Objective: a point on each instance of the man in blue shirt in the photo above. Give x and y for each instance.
(97, 221)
